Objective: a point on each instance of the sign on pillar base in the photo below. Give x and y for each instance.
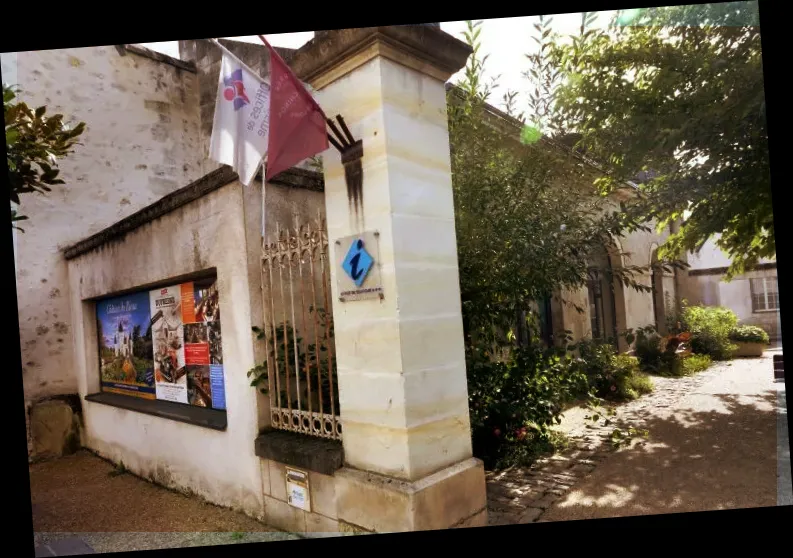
(297, 490)
(358, 271)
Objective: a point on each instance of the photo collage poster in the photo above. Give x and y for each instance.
(164, 344)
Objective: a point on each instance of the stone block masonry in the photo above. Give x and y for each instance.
(141, 112)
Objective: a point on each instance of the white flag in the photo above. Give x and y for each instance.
(242, 119)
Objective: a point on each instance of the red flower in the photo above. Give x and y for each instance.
(613, 388)
(496, 432)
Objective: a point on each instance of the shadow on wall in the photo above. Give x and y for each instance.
(694, 461)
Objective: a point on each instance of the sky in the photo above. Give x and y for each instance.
(507, 41)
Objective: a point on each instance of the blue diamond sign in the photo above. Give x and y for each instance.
(358, 262)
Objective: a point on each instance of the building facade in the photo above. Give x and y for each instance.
(148, 228)
(753, 296)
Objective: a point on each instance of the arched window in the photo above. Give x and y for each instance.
(602, 306)
(657, 283)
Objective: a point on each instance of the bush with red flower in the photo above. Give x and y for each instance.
(514, 401)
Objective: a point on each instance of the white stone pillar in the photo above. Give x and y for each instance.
(401, 366)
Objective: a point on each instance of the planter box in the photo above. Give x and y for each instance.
(749, 349)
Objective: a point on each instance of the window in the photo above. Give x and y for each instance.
(765, 294)
(163, 344)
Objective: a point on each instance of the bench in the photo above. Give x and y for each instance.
(779, 367)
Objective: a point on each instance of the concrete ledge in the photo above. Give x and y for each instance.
(293, 178)
(723, 270)
(160, 57)
(454, 496)
(420, 46)
(304, 452)
(299, 178)
(201, 187)
(190, 414)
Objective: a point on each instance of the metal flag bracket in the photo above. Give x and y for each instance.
(351, 151)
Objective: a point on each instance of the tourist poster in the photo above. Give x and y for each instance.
(203, 346)
(170, 373)
(164, 344)
(125, 345)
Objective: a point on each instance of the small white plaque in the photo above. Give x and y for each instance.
(297, 489)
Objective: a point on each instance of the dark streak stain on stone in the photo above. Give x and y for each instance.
(61, 327)
(42, 330)
(196, 251)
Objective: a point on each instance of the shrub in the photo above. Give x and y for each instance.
(648, 349)
(514, 402)
(640, 384)
(695, 363)
(748, 334)
(710, 328)
(610, 375)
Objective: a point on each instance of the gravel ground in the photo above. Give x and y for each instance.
(80, 494)
(715, 448)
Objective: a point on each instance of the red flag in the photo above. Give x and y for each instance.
(297, 124)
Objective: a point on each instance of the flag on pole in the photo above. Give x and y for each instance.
(297, 123)
(241, 127)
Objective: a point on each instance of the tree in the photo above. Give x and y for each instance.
(34, 143)
(673, 98)
(527, 217)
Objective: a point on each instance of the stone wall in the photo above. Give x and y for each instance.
(140, 143)
(213, 223)
(209, 232)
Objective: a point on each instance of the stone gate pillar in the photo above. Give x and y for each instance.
(401, 366)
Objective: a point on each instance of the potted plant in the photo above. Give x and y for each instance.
(750, 340)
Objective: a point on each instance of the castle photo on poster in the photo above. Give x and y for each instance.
(124, 332)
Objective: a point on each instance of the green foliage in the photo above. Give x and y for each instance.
(517, 203)
(619, 437)
(749, 334)
(695, 363)
(313, 361)
(710, 328)
(675, 96)
(34, 143)
(515, 401)
(611, 376)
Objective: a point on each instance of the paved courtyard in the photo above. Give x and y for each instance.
(713, 444)
(717, 440)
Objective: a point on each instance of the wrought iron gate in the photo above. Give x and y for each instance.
(301, 364)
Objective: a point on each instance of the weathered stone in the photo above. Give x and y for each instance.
(54, 429)
(583, 468)
(480, 519)
(531, 515)
(545, 502)
(500, 518)
(315, 454)
(383, 504)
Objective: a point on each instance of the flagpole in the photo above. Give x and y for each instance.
(235, 57)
